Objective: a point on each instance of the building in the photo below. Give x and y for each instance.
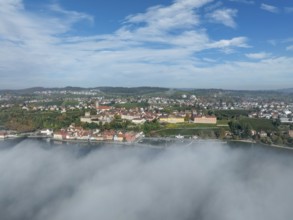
(101, 108)
(119, 137)
(46, 132)
(130, 136)
(97, 137)
(108, 135)
(172, 120)
(263, 134)
(61, 135)
(205, 120)
(290, 132)
(286, 120)
(3, 135)
(87, 118)
(138, 120)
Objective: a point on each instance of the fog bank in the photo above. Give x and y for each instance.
(207, 181)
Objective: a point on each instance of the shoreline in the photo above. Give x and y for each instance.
(267, 145)
(50, 139)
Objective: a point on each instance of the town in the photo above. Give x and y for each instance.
(129, 114)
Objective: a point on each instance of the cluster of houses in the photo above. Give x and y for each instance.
(90, 92)
(282, 112)
(141, 115)
(105, 114)
(78, 133)
(264, 108)
(7, 134)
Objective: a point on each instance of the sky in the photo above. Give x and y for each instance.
(228, 44)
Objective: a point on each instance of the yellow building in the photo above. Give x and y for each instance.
(172, 120)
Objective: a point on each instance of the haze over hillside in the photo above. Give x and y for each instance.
(137, 90)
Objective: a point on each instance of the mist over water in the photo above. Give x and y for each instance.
(206, 181)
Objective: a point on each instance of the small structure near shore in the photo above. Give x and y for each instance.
(3, 135)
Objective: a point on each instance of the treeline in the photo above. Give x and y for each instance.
(132, 91)
(25, 121)
(229, 114)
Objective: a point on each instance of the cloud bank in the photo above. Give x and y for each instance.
(166, 45)
(207, 181)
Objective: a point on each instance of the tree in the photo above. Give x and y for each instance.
(187, 117)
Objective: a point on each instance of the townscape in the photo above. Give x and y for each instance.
(128, 114)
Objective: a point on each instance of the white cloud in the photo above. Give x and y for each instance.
(161, 18)
(224, 16)
(213, 6)
(269, 8)
(144, 51)
(249, 2)
(234, 42)
(72, 16)
(200, 181)
(258, 56)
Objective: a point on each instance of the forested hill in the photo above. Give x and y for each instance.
(107, 90)
(145, 90)
(132, 90)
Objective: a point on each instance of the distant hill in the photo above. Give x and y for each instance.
(34, 89)
(131, 90)
(289, 90)
(145, 90)
(105, 90)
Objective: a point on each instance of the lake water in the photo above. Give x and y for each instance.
(165, 180)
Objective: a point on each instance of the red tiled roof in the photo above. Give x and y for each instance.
(103, 107)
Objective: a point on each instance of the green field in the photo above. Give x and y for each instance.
(259, 123)
(189, 126)
(202, 132)
(222, 122)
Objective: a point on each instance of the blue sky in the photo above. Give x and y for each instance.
(231, 44)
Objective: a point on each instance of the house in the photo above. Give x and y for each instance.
(88, 118)
(130, 136)
(290, 132)
(97, 137)
(253, 132)
(119, 137)
(60, 135)
(70, 136)
(103, 108)
(286, 120)
(108, 135)
(130, 116)
(263, 134)
(138, 120)
(3, 135)
(84, 135)
(205, 120)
